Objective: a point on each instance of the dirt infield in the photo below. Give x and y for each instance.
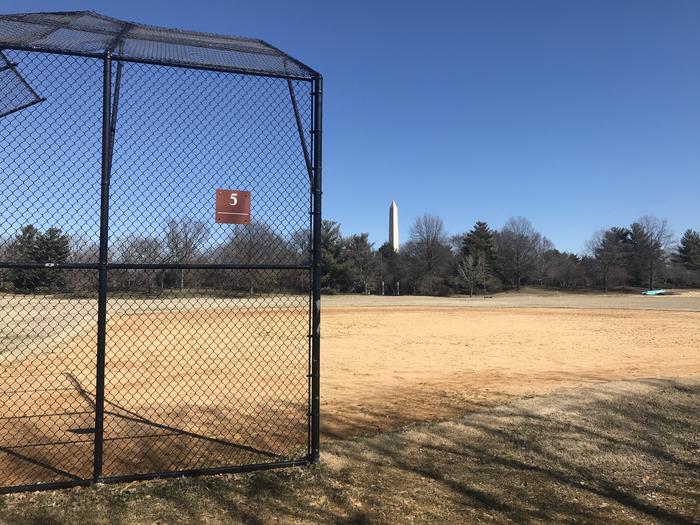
(183, 389)
(384, 365)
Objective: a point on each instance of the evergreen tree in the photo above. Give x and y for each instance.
(335, 270)
(53, 247)
(390, 271)
(25, 250)
(478, 244)
(362, 263)
(479, 241)
(31, 246)
(688, 252)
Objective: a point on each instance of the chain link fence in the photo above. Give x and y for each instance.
(139, 336)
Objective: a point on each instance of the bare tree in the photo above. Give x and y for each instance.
(82, 249)
(608, 249)
(482, 273)
(141, 250)
(256, 243)
(515, 247)
(468, 270)
(4, 256)
(542, 248)
(183, 238)
(428, 247)
(651, 241)
(300, 244)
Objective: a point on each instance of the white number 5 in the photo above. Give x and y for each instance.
(234, 199)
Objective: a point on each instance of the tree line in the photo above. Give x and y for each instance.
(642, 255)
(181, 242)
(481, 260)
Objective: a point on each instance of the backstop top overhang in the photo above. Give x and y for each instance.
(86, 33)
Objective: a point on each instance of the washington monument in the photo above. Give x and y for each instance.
(394, 226)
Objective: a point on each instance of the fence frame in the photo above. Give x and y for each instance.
(313, 158)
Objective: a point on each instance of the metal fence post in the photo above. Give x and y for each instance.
(316, 285)
(102, 292)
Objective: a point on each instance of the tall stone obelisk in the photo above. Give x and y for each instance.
(394, 226)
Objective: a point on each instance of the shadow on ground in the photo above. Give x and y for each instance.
(624, 452)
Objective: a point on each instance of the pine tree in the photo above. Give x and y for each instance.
(390, 270)
(53, 247)
(335, 269)
(363, 265)
(479, 241)
(31, 246)
(478, 244)
(689, 250)
(25, 250)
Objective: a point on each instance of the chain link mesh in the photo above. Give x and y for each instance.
(208, 325)
(86, 32)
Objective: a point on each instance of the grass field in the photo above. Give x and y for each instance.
(531, 406)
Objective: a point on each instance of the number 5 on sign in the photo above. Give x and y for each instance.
(232, 207)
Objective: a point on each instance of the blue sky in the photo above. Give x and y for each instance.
(577, 115)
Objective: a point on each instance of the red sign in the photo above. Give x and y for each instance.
(232, 207)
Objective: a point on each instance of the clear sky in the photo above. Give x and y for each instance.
(576, 114)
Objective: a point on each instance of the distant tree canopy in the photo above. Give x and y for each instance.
(33, 246)
(479, 242)
(516, 246)
(650, 242)
(689, 250)
(483, 259)
(335, 267)
(427, 256)
(609, 249)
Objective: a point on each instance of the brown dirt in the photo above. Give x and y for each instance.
(181, 387)
(177, 375)
(384, 366)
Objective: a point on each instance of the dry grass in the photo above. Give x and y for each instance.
(681, 300)
(615, 453)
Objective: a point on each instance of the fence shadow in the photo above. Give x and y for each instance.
(620, 452)
(594, 455)
(133, 443)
